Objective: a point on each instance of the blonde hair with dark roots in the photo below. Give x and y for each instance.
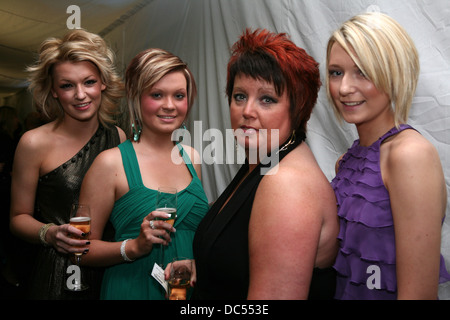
(385, 54)
(76, 46)
(145, 70)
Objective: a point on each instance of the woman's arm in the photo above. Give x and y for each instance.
(284, 234)
(104, 183)
(26, 172)
(414, 178)
(27, 162)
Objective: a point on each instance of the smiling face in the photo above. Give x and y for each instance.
(164, 106)
(355, 96)
(254, 106)
(78, 87)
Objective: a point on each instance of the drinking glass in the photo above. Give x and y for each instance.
(80, 219)
(166, 201)
(180, 278)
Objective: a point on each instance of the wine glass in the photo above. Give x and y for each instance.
(166, 201)
(180, 278)
(80, 219)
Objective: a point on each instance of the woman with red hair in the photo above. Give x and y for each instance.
(272, 233)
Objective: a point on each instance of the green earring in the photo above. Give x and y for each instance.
(136, 132)
(182, 127)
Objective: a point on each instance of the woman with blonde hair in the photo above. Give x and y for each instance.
(75, 85)
(122, 184)
(389, 185)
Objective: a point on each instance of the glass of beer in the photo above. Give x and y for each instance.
(180, 278)
(80, 219)
(166, 201)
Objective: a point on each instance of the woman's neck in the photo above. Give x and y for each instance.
(75, 128)
(371, 131)
(157, 142)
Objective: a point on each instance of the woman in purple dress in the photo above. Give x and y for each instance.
(389, 186)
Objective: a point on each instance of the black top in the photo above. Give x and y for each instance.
(221, 243)
(56, 191)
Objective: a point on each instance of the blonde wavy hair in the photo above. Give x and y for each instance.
(385, 54)
(145, 70)
(77, 45)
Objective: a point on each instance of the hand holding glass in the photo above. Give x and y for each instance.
(180, 278)
(166, 201)
(80, 219)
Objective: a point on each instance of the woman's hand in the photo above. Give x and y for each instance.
(66, 239)
(193, 273)
(152, 232)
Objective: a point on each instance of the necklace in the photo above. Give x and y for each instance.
(287, 144)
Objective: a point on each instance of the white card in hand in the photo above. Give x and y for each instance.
(158, 274)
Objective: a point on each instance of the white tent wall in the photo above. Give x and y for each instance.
(202, 31)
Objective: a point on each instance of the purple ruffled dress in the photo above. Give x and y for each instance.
(366, 263)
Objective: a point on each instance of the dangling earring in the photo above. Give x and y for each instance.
(182, 127)
(136, 132)
(287, 144)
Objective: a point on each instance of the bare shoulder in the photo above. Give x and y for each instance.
(35, 145)
(106, 171)
(38, 138)
(110, 158)
(408, 156)
(300, 174)
(408, 147)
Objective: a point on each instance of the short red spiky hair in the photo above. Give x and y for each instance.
(274, 58)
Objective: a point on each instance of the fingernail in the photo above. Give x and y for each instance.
(88, 242)
(85, 251)
(83, 234)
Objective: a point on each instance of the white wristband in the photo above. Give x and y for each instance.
(122, 251)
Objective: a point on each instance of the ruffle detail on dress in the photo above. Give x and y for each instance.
(360, 152)
(359, 188)
(358, 209)
(346, 290)
(361, 202)
(359, 272)
(375, 245)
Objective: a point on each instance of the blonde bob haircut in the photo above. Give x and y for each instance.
(145, 70)
(385, 54)
(76, 46)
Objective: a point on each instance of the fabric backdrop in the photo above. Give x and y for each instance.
(202, 31)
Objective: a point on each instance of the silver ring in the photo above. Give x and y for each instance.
(152, 225)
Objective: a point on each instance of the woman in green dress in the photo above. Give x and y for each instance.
(122, 184)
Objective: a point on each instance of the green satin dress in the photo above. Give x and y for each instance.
(131, 280)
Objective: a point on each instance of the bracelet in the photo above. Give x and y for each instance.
(122, 251)
(43, 231)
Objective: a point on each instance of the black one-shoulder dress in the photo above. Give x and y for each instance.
(56, 191)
